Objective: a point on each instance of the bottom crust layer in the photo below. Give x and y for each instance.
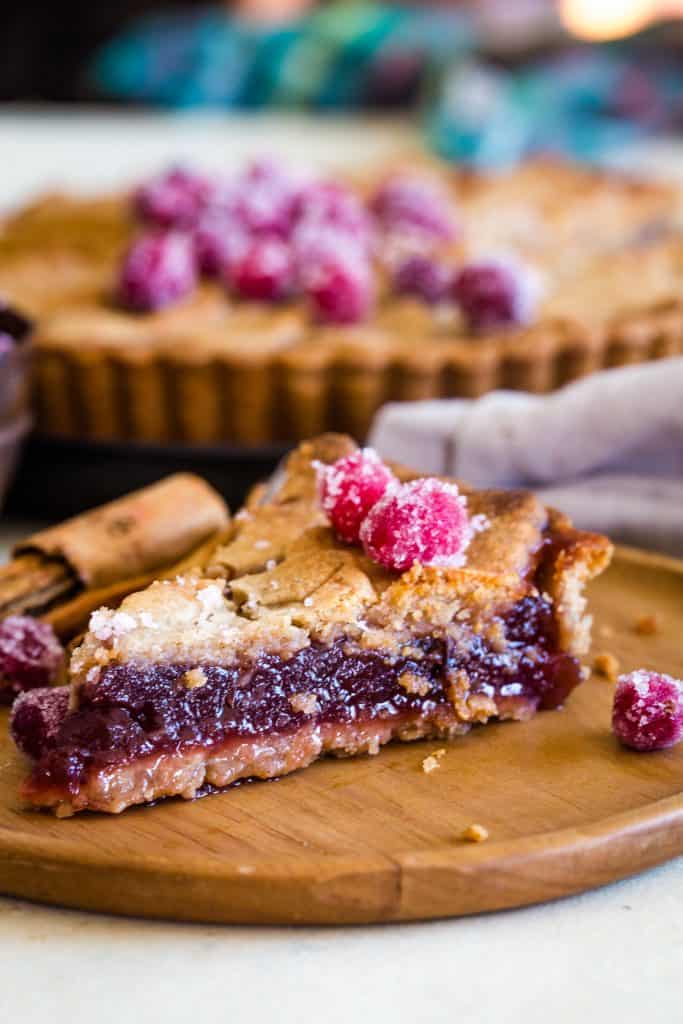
(188, 773)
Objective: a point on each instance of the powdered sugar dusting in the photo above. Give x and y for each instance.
(36, 717)
(30, 655)
(210, 597)
(107, 625)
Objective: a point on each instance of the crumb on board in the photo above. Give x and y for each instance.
(607, 666)
(475, 834)
(606, 631)
(646, 625)
(194, 678)
(432, 762)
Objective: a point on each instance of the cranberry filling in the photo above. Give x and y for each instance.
(136, 710)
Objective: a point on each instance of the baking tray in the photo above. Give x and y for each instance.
(60, 477)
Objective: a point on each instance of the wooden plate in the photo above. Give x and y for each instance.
(376, 839)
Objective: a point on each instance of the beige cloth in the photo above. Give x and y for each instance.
(608, 450)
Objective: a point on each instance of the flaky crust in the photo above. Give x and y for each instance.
(212, 370)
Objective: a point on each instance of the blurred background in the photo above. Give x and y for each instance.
(489, 80)
(97, 94)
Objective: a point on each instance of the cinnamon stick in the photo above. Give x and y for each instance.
(64, 572)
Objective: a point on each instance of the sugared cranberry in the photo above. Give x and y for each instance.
(264, 209)
(36, 716)
(349, 488)
(648, 710)
(158, 270)
(220, 242)
(423, 521)
(263, 199)
(174, 199)
(425, 277)
(266, 168)
(266, 271)
(339, 285)
(323, 204)
(415, 206)
(30, 655)
(6, 343)
(495, 294)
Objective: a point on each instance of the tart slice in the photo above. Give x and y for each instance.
(291, 643)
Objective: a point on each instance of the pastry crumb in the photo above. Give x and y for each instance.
(606, 631)
(432, 762)
(194, 678)
(607, 666)
(475, 834)
(413, 683)
(646, 625)
(306, 703)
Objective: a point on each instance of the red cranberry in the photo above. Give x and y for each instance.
(264, 198)
(6, 343)
(30, 654)
(424, 521)
(495, 294)
(325, 205)
(174, 199)
(264, 209)
(36, 716)
(648, 710)
(266, 272)
(220, 242)
(424, 277)
(349, 489)
(410, 205)
(158, 270)
(340, 286)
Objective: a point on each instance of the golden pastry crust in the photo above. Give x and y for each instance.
(208, 370)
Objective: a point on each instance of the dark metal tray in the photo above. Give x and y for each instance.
(59, 477)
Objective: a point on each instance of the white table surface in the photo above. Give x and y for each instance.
(615, 955)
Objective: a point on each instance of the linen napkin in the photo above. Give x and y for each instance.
(608, 449)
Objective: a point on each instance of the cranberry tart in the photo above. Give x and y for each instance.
(291, 643)
(266, 306)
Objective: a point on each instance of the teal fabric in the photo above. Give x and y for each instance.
(342, 55)
(586, 102)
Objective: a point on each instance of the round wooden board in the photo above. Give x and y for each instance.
(376, 839)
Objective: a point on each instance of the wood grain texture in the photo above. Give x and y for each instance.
(377, 839)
